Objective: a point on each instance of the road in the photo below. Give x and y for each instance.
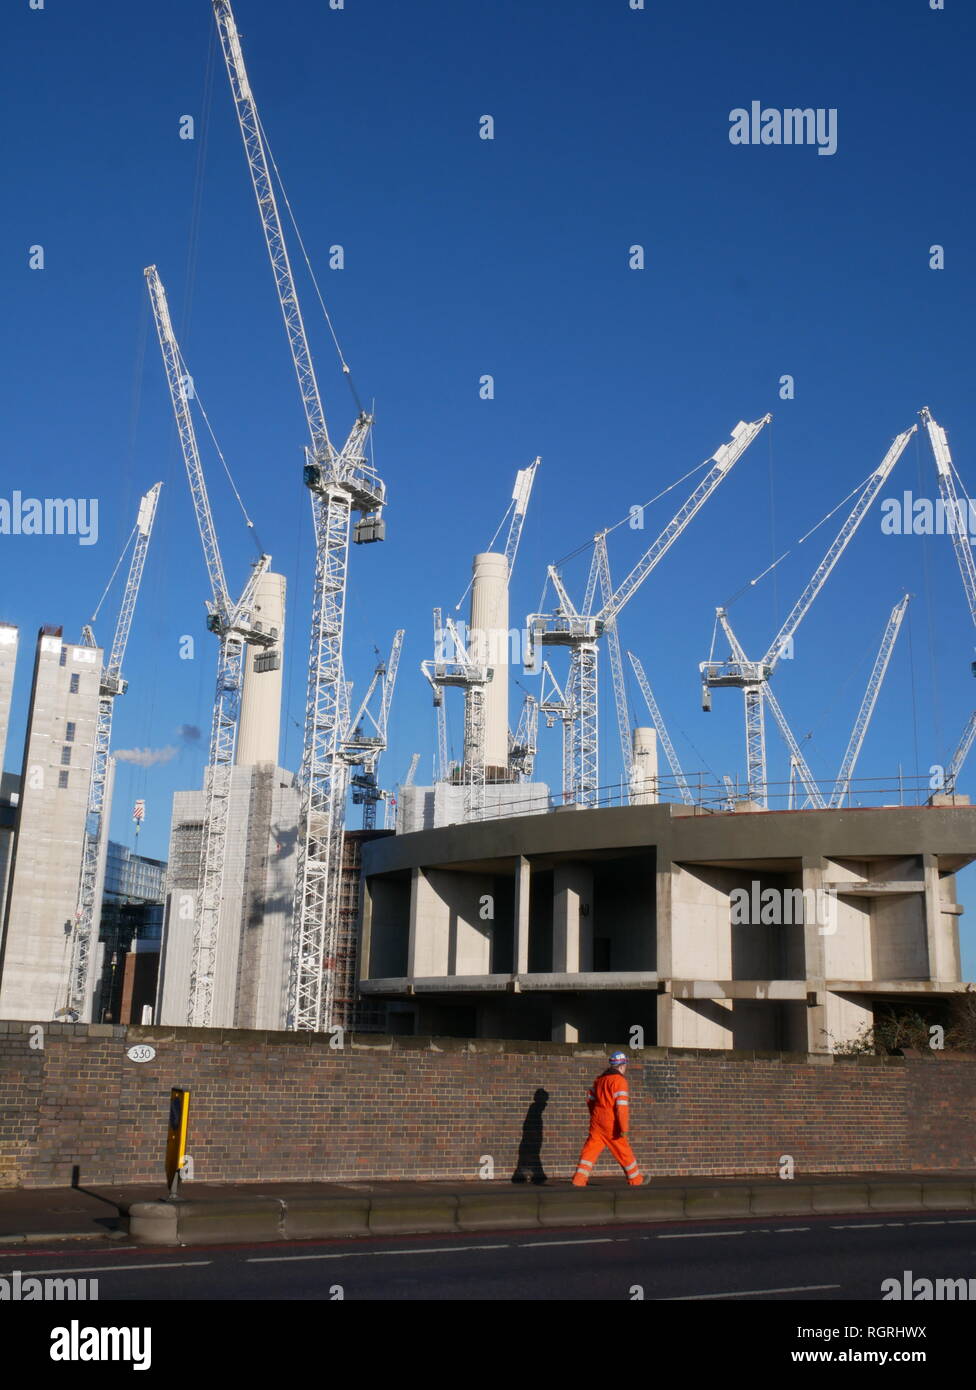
(818, 1259)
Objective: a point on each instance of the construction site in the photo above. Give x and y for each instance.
(701, 910)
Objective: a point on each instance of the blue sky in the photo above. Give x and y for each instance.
(509, 257)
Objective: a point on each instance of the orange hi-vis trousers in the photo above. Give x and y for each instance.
(596, 1142)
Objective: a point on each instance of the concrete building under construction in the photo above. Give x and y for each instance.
(49, 828)
(772, 930)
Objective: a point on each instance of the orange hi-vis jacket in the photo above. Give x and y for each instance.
(609, 1101)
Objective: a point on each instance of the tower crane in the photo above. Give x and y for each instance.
(110, 685)
(468, 671)
(957, 514)
(235, 627)
(361, 749)
(961, 753)
(616, 668)
(524, 743)
(472, 674)
(875, 679)
(664, 738)
(553, 703)
(341, 481)
(580, 630)
(752, 677)
(408, 781)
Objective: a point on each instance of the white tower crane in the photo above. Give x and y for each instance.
(524, 743)
(235, 627)
(580, 631)
(752, 677)
(483, 646)
(341, 481)
(873, 689)
(664, 738)
(957, 518)
(554, 703)
(111, 684)
(360, 748)
(472, 674)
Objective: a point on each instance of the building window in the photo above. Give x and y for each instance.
(65, 756)
(74, 683)
(69, 732)
(62, 779)
(63, 659)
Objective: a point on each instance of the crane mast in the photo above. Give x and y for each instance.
(234, 626)
(616, 670)
(341, 482)
(361, 749)
(111, 684)
(664, 738)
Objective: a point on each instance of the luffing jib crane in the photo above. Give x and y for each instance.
(341, 481)
(111, 684)
(236, 627)
(875, 679)
(363, 749)
(752, 677)
(471, 673)
(664, 738)
(580, 630)
(957, 515)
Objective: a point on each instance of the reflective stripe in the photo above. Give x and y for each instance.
(629, 1167)
(621, 1100)
(585, 1163)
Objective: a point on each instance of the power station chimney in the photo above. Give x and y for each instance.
(488, 642)
(259, 732)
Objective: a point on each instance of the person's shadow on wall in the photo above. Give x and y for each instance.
(528, 1165)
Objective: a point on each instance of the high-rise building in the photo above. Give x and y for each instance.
(45, 869)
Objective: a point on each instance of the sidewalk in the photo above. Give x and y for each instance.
(210, 1213)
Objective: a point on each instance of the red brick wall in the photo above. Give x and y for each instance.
(288, 1106)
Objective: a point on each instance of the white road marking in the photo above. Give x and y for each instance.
(861, 1226)
(593, 1240)
(699, 1235)
(349, 1254)
(112, 1269)
(928, 1223)
(748, 1293)
(785, 1230)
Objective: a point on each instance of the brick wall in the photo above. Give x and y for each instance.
(286, 1106)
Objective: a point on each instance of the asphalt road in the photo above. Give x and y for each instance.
(815, 1259)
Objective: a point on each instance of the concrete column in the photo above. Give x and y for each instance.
(260, 724)
(814, 957)
(572, 919)
(562, 1029)
(523, 879)
(939, 926)
(427, 949)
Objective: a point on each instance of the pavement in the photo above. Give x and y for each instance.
(215, 1213)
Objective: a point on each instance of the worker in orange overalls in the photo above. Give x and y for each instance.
(609, 1102)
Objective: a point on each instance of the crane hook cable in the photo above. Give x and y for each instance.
(230, 477)
(118, 564)
(308, 265)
